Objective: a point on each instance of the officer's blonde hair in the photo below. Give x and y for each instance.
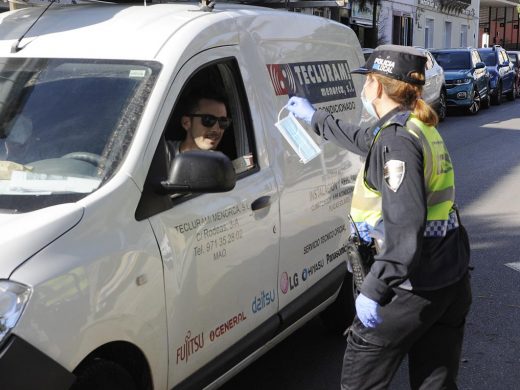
(408, 96)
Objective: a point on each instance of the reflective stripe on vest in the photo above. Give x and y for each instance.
(439, 182)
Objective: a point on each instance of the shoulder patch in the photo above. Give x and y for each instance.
(394, 171)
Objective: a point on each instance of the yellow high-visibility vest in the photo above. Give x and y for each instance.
(366, 209)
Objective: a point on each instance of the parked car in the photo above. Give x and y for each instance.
(514, 58)
(466, 78)
(434, 91)
(502, 74)
(366, 52)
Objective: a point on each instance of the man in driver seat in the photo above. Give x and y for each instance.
(204, 119)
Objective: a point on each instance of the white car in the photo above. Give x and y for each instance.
(434, 91)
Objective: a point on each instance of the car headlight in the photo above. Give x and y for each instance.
(462, 81)
(13, 298)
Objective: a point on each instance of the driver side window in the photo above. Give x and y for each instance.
(211, 113)
(223, 98)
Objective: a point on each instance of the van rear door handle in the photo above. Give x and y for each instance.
(261, 202)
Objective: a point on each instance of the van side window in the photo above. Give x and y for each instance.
(211, 113)
(223, 82)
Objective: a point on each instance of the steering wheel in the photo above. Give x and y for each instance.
(92, 158)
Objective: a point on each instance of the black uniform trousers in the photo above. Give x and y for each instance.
(426, 325)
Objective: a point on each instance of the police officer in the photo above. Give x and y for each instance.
(415, 298)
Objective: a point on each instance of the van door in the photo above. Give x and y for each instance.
(220, 251)
(315, 196)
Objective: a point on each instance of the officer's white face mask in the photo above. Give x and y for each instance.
(369, 105)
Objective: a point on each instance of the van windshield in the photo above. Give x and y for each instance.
(65, 126)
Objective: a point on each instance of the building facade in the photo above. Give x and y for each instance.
(430, 23)
(499, 24)
(427, 23)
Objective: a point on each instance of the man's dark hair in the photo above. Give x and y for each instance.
(191, 102)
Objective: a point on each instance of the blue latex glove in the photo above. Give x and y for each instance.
(301, 108)
(367, 311)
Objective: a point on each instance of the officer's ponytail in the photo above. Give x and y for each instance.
(425, 113)
(408, 96)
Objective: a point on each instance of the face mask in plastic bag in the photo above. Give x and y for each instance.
(298, 138)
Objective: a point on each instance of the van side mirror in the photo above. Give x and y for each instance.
(480, 65)
(200, 171)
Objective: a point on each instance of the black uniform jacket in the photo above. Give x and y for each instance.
(407, 259)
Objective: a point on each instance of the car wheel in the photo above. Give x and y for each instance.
(497, 97)
(474, 107)
(442, 106)
(512, 94)
(486, 103)
(340, 314)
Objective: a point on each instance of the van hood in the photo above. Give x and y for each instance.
(23, 235)
(456, 74)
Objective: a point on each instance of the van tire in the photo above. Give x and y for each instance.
(340, 314)
(103, 375)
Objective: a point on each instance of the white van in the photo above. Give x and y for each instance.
(117, 272)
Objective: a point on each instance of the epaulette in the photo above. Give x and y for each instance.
(399, 118)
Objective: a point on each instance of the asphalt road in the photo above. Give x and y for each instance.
(485, 150)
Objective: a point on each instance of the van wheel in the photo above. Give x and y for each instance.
(103, 375)
(338, 316)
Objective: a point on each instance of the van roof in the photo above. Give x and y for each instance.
(112, 30)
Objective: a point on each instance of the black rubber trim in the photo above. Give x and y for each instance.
(314, 296)
(317, 294)
(232, 356)
(23, 367)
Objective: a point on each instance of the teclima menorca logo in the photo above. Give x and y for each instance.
(319, 81)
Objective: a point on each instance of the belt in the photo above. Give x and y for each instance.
(440, 228)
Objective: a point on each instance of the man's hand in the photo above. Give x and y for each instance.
(301, 108)
(367, 311)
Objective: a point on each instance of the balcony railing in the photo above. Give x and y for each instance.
(455, 5)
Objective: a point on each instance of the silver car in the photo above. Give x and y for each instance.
(434, 92)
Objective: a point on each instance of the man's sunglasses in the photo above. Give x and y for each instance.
(208, 120)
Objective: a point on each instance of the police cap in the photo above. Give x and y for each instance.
(395, 61)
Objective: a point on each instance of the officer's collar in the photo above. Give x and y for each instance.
(395, 116)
